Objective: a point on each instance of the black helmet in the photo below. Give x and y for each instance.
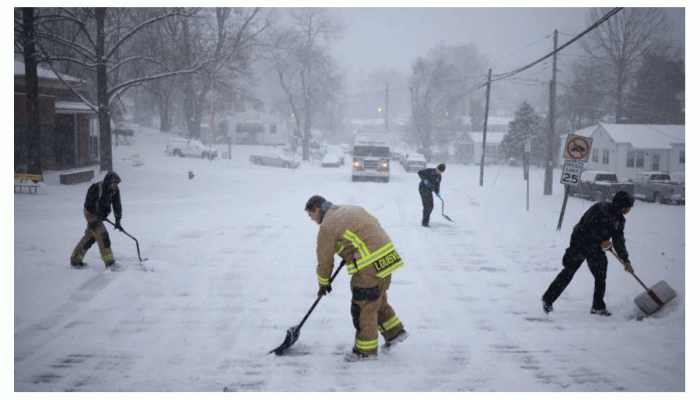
(111, 177)
(623, 199)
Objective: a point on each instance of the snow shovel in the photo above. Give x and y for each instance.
(655, 297)
(293, 332)
(137, 242)
(443, 210)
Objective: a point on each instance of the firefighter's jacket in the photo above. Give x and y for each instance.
(100, 200)
(355, 235)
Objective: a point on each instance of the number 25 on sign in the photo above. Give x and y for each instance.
(571, 172)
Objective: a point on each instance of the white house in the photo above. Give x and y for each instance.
(493, 146)
(255, 128)
(627, 149)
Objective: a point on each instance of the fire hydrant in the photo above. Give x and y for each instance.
(190, 174)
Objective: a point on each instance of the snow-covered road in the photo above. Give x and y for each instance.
(231, 265)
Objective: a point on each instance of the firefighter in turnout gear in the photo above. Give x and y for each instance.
(591, 236)
(356, 236)
(101, 198)
(429, 182)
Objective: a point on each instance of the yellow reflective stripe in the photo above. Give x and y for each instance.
(365, 261)
(389, 325)
(339, 248)
(391, 270)
(357, 243)
(323, 281)
(108, 257)
(366, 345)
(100, 186)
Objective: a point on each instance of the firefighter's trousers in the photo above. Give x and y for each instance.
(371, 312)
(95, 232)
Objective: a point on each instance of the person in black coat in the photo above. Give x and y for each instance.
(590, 237)
(430, 182)
(101, 198)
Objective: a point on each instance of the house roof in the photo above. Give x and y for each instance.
(491, 137)
(641, 136)
(43, 73)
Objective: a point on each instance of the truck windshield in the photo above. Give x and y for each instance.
(371, 151)
(660, 177)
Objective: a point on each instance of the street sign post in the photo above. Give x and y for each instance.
(571, 173)
(576, 152)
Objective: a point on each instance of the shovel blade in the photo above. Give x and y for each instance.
(648, 304)
(447, 218)
(289, 340)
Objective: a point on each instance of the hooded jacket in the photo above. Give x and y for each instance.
(433, 178)
(100, 199)
(600, 223)
(356, 236)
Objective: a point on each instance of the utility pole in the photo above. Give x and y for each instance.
(548, 177)
(386, 109)
(486, 120)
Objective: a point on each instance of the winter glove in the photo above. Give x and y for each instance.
(118, 225)
(323, 290)
(606, 245)
(438, 194)
(426, 182)
(628, 267)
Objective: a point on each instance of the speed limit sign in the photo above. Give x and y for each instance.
(571, 173)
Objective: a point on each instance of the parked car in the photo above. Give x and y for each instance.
(658, 187)
(273, 159)
(333, 159)
(189, 147)
(414, 162)
(599, 186)
(678, 177)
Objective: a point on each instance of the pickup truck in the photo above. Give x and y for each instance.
(599, 186)
(189, 147)
(658, 187)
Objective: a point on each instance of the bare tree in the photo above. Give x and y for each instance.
(620, 45)
(226, 38)
(95, 39)
(305, 69)
(440, 89)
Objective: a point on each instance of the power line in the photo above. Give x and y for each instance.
(521, 69)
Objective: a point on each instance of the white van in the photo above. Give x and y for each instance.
(189, 147)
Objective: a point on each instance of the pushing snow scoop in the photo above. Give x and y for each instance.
(655, 297)
(293, 332)
(137, 242)
(443, 210)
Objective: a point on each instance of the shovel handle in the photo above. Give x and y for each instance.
(651, 293)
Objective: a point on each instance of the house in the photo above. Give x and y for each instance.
(253, 127)
(626, 149)
(68, 132)
(493, 154)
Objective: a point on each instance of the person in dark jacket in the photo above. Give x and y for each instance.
(591, 236)
(429, 182)
(101, 198)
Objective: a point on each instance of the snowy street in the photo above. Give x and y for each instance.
(232, 265)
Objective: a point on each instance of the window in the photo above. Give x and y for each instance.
(594, 155)
(606, 156)
(630, 159)
(681, 160)
(640, 159)
(655, 161)
(273, 128)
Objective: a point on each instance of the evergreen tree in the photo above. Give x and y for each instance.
(526, 124)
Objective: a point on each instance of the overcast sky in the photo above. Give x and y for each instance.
(393, 37)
